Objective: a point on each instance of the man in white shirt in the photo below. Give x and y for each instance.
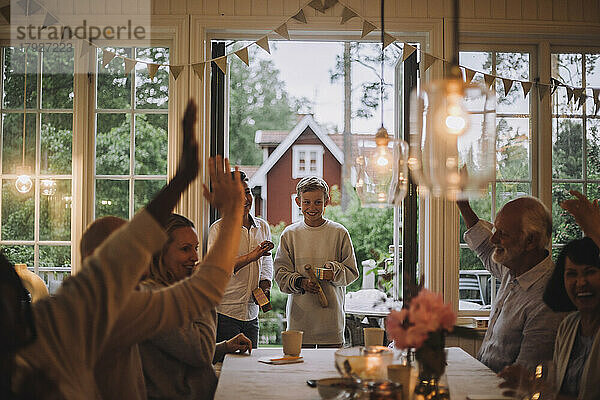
(238, 312)
(522, 327)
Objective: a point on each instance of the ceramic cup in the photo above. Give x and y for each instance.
(292, 342)
(373, 336)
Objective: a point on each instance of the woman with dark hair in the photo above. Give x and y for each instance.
(177, 364)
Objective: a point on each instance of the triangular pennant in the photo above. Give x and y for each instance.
(300, 17)
(5, 12)
(489, 80)
(107, 57)
(243, 55)
(84, 47)
(387, 39)
(596, 93)
(49, 20)
(367, 28)
(555, 83)
(175, 70)
(427, 61)
(507, 85)
(526, 88)
(29, 7)
(199, 70)
(407, 50)
(582, 99)
(327, 4)
(576, 95)
(569, 94)
(263, 43)
(129, 64)
(221, 63)
(542, 90)
(469, 75)
(317, 5)
(152, 69)
(347, 15)
(283, 32)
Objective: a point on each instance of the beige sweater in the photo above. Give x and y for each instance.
(98, 313)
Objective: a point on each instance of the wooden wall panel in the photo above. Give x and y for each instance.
(99, 7)
(513, 9)
(131, 7)
(404, 8)
(227, 7)
(592, 10)
(436, 8)
(195, 6)
(178, 7)
(81, 7)
(483, 9)
(259, 7)
(544, 10)
(575, 8)
(371, 9)
(275, 8)
(161, 7)
(559, 10)
(289, 6)
(529, 9)
(419, 9)
(114, 7)
(211, 7)
(356, 5)
(242, 7)
(498, 9)
(467, 9)
(65, 6)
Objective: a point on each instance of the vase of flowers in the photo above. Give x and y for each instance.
(423, 326)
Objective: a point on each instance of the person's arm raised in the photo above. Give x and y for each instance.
(467, 213)
(228, 196)
(161, 206)
(586, 213)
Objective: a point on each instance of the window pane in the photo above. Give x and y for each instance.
(513, 148)
(151, 144)
(19, 254)
(593, 149)
(114, 86)
(13, 79)
(17, 212)
(566, 68)
(564, 227)
(145, 190)
(477, 60)
(112, 198)
(55, 211)
(112, 144)
(55, 256)
(514, 66)
(56, 144)
(12, 142)
(57, 79)
(152, 93)
(506, 191)
(482, 208)
(567, 145)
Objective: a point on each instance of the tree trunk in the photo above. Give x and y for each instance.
(346, 168)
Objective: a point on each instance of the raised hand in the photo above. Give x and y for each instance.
(263, 249)
(586, 213)
(227, 193)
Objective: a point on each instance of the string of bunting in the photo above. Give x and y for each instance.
(576, 94)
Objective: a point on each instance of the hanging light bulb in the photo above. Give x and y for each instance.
(381, 172)
(453, 135)
(24, 182)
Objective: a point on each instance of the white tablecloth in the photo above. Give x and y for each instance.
(243, 377)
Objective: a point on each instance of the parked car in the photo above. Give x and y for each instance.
(474, 286)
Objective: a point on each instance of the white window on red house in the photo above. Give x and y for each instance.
(296, 211)
(307, 160)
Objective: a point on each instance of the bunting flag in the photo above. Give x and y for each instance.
(152, 69)
(221, 63)
(175, 70)
(129, 65)
(388, 39)
(107, 57)
(300, 17)
(427, 61)
(569, 94)
(327, 4)
(29, 7)
(576, 95)
(542, 90)
(199, 70)
(596, 93)
(555, 83)
(84, 47)
(526, 88)
(283, 32)
(263, 43)
(367, 28)
(317, 5)
(243, 55)
(347, 15)
(407, 50)
(469, 75)
(5, 12)
(507, 85)
(489, 80)
(582, 99)
(49, 20)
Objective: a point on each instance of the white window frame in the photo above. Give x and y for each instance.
(307, 148)
(296, 211)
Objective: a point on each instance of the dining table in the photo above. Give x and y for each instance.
(243, 376)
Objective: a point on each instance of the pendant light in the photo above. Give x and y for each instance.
(382, 172)
(453, 134)
(23, 182)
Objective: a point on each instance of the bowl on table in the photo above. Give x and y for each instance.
(364, 363)
(336, 388)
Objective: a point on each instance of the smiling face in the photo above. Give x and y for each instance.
(247, 198)
(508, 238)
(181, 254)
(312, 204)
(582, 283)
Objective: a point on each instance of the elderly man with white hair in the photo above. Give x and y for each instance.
(522, 328)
